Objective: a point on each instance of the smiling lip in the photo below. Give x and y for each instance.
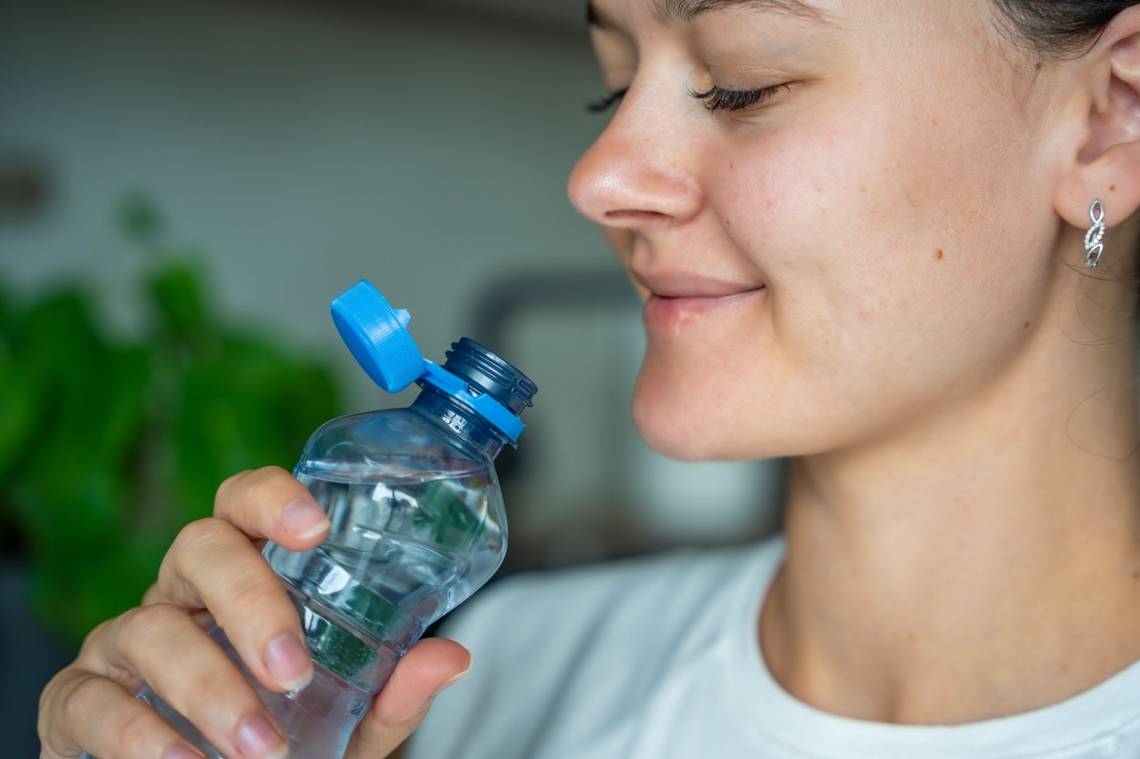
(678, 298)
(669, 314)
(682, 285)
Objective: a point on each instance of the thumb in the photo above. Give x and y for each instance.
(427, 668)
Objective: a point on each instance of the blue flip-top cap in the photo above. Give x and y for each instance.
(378, 338)
(376, 335)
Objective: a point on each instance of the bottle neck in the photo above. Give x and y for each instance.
(460, 421)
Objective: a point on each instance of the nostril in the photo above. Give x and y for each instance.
(633, 215)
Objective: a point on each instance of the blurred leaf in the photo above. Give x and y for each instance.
(238, 411)
(177, 295)
(7, 317)
(21, 409)
(108, 447)
(139, 219)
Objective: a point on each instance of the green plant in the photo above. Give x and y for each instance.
(108, 445)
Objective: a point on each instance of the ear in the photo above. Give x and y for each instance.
(1107, 164)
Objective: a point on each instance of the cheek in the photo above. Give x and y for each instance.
(894, 269)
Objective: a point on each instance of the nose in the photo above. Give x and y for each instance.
(634, 176)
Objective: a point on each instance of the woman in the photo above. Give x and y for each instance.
(860, 230)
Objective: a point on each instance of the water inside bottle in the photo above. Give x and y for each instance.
(401, 553)
(417, 546)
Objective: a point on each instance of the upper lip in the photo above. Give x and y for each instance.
(677, 284)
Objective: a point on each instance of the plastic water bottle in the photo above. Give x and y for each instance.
(417, 521)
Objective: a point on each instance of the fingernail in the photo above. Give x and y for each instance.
(257, 739)
(288, 661)
(304, 519)
(181, 752)
(450, 681)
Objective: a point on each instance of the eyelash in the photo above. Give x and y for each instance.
(719, 99)
(607, 102)
(716, 98)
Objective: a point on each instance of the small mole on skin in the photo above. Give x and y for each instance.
(938, 254)
(1025, 326)
(1112, 188)
(934, 122)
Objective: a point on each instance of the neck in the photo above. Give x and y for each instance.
(980, 562)
(459, 420)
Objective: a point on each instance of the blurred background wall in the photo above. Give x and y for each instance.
(294, 147)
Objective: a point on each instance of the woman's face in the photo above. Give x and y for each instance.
(856, 252)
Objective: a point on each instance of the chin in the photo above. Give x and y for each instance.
(670, 419)
(692, 415)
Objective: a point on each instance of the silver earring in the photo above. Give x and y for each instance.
(1094, 238)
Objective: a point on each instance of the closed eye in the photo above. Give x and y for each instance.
(720, 99)
(604, 104)
(716, 98)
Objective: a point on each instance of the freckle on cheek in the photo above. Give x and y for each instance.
(1025, 326)
(1112, 188)
(938, 254)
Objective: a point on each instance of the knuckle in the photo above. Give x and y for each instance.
(267, 482)
(152, 593)
(213, 694)
(49, 696)
(229, 485)
(79, 702)
(92, 639)
(254, 493)
(257, 593)
(205, 689)
(144, 626)
(385, 730)
(194, 546)
(198, 536)
(272, 474)
(133, 732)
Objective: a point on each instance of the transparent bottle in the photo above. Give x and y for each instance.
(417, 516)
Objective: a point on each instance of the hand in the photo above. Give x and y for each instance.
(214, 570)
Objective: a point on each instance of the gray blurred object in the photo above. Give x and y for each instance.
(24, 186)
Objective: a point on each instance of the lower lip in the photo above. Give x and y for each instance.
(669, 314)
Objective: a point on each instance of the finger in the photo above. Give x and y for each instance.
(428, 667)
(213, 565)
(202, 617)
(82, 711)
(271, 503)
(201, 683)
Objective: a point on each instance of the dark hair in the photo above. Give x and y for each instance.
(1060, 28)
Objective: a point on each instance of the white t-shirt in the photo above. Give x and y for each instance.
(659, 658)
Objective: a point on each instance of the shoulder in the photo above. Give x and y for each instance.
(549, 607)
(592, 638)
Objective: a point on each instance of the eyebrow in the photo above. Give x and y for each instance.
(686, 10)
